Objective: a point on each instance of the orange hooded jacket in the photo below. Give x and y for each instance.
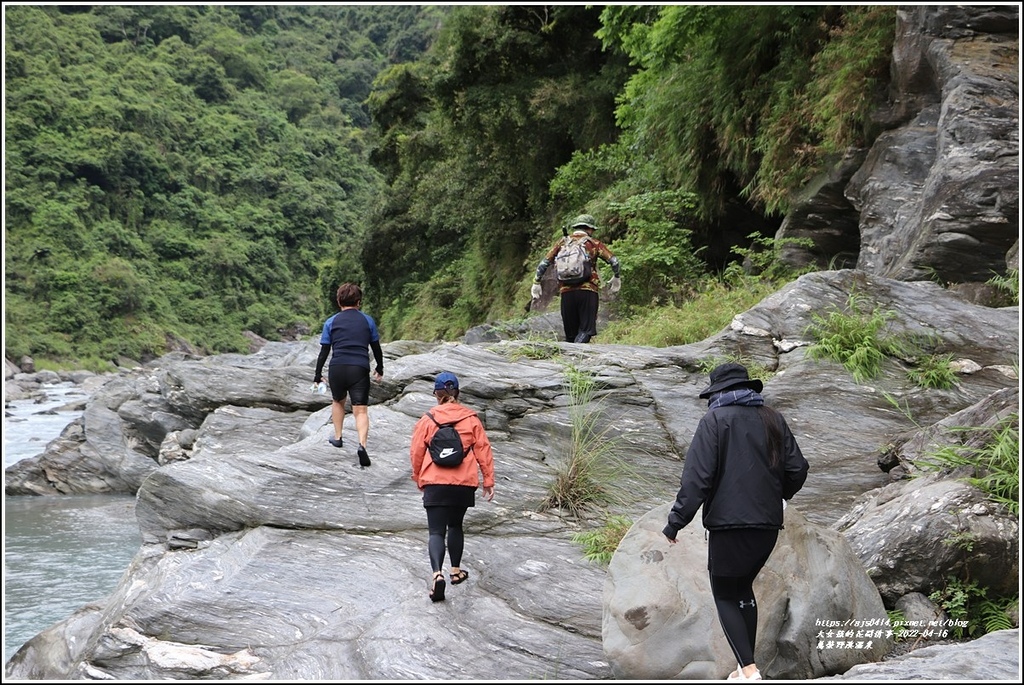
(471, 430)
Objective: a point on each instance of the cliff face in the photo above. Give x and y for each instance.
(937, 195)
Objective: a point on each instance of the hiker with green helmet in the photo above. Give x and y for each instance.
(575, 257)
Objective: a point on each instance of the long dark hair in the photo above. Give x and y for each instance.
(773, 429)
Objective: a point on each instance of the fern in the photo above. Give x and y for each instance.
(995, 614)
(855, 338)
(599, 545)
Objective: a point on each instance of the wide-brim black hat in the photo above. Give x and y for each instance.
(730, 375)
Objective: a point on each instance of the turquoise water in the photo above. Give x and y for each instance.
(60, 553)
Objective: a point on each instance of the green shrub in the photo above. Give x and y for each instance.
(996, 461)
(933, 372)
(657, 254)
(703, 314)
(959, 599)
(534, 349)
(763, 258)
(854, 337)
(755, 369)
(600, 544)
(971, 612)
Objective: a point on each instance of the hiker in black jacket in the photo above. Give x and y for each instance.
(742, 463)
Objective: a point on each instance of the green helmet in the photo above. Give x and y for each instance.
(584, 220)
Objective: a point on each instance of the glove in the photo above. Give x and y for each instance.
(614, 284)
(535, 291)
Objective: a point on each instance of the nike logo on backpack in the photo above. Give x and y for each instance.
(447, 452)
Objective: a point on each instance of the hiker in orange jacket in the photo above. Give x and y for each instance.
(448, 491)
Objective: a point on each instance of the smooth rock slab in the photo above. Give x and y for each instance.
(660, 620)
(994, 657)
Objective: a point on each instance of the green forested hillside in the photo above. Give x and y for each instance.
(186, 172)
(191, 172)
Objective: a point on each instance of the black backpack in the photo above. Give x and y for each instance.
(446, 445)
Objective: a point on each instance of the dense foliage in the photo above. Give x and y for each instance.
(177, 175)
(504, 131)
(186, 172)
(749, 99)
(471, 137)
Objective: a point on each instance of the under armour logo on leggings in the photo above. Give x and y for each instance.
(744, 604)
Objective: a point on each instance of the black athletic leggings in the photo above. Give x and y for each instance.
(445, 522)
(737, 612)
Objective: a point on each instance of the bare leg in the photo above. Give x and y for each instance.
(362, 422)
(337, 417)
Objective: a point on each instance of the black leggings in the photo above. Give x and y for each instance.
(737, 612)
(445, 522)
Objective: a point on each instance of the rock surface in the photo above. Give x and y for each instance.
(992, 657)
(660, 620)
(937, 194)
(270, 554)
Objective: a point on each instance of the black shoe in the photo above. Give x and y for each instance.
(364, 458)
(337, 442)
(436, 593)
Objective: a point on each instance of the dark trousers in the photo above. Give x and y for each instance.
(735, 557)
(579, 315)
(445, 523)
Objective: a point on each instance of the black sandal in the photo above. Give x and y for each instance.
(437, 590)
(459, 577)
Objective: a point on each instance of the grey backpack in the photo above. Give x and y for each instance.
(572, 263)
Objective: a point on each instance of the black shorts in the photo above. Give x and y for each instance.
(347, 379)
(740, 552)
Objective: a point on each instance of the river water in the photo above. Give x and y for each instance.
(60, 553)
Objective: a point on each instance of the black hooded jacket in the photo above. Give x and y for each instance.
(728, 471)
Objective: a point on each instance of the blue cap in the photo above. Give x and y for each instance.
(446, 380)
